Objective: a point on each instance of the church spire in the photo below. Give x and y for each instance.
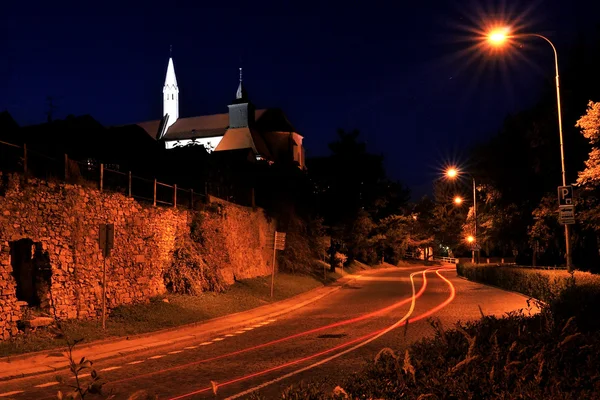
(241, 96)
(170, 95)
(239, 93)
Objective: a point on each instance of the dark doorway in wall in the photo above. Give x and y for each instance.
(31, 270)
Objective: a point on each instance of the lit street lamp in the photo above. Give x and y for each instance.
(453, 173)
(497, 38)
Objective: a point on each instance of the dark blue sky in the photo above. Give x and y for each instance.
(395, 70)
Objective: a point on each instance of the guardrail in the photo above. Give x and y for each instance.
(450, 260)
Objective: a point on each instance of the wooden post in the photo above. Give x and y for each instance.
(66, 167)
(25, 158)
(206, 189)
(192, 199)
(175, 196)
(129, 190)
(104, 293)
(101, 176)
(154, 192)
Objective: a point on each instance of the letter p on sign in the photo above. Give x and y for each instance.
(565, 196)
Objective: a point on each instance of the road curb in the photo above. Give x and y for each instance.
(54, 366)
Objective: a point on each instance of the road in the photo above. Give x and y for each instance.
(322, 342)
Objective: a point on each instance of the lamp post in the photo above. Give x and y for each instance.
(499, 37)
(453, 173)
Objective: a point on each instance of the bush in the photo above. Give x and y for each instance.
(303, 246)
(189, 273)
(543, 285)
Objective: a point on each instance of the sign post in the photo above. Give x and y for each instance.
(105, 242)
(566, 207)
(278, 244)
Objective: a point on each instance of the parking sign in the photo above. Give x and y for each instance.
(565, 196)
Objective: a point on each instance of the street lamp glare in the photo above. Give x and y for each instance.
(470, 239)
(498, 36)
(452, 173)
(458, 200)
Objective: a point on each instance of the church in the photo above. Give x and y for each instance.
(266, 134)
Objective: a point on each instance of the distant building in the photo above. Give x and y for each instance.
(267, 133)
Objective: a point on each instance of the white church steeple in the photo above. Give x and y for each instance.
(170, 96)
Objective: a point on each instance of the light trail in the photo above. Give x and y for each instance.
(280, 340)
(363, 341)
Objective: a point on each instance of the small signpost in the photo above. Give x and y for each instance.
(106, 240)
(566, 207)
(278, 244)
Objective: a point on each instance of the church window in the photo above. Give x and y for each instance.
(172, 97)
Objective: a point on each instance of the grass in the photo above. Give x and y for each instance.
(179, 310)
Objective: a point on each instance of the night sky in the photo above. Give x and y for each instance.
(398, 71)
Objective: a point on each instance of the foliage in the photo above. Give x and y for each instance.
(81, 388)
(355, 197)
(590, 129)
(189, 273)
(304, 245)
(545, 285)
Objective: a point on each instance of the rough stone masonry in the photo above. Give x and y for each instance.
(50, 258)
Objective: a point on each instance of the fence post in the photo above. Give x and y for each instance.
(129, 189)
(206, 189)
(101, 176)
(154, 192)
(175, 196)
(66, 167)
(192, 199)
(25, 158)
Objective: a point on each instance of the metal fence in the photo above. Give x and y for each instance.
(108, 177)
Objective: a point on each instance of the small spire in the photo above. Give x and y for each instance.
(240, 91)
(170, 51)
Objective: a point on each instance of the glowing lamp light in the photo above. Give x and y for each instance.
(458, 200)
(470, 239)
(498, 36)
(452, 173)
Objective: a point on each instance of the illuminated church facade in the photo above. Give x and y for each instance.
(266, 133)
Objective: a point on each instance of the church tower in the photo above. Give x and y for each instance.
(170, 96)
(241, 112)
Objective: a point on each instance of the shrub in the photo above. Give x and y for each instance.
(543, 285)
(189, 273)
(303, 246)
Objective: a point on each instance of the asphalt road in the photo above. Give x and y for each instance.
(322, 342)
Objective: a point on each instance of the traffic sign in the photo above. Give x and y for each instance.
(565, 196)
(279, 240)
(566, 215)
(106, 238)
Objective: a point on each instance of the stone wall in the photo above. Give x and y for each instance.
(58, 226)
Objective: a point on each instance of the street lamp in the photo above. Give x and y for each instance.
(453, 173)
(498, 37)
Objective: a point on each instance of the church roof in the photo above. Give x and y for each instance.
(194, 127)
